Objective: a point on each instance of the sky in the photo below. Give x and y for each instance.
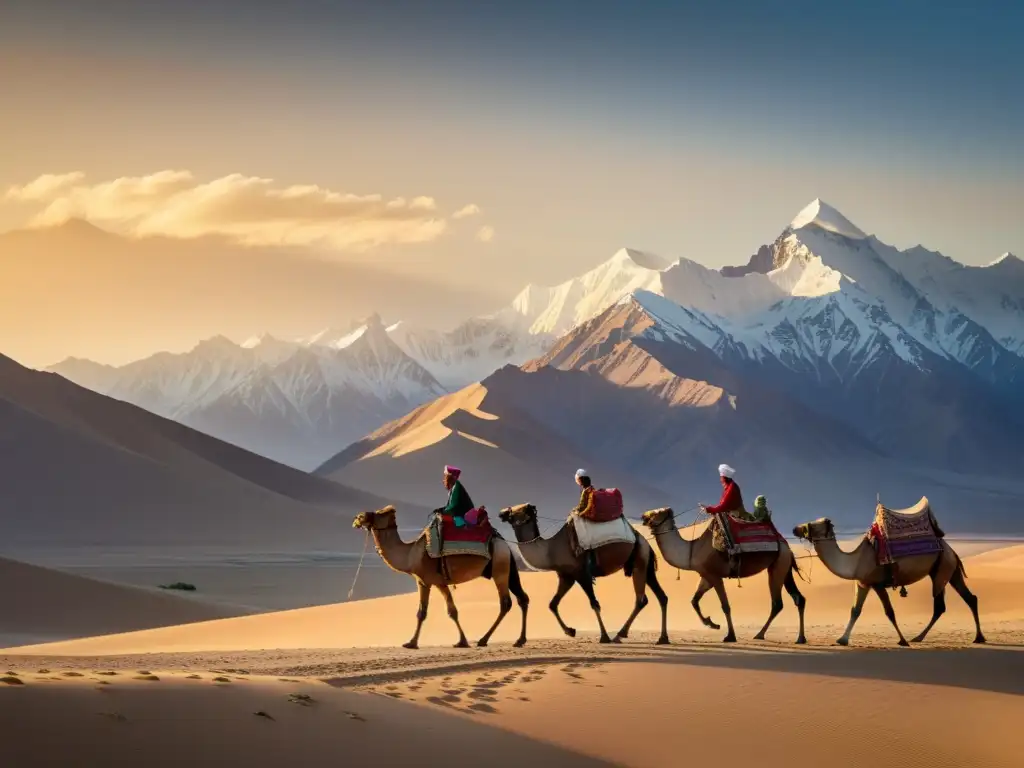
(486, 145)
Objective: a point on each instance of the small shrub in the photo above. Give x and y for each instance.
(180, 585)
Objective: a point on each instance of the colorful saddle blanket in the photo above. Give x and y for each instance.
(737, 537)
(444, 538)
(907, 532)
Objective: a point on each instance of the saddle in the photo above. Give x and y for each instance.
(734, 536)
(905, 532)
(445, 539)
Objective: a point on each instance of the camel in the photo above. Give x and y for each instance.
(713, 566)
(412, 558)
(636, 561)
(862, 566)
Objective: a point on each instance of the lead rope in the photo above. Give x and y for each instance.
(366, 543)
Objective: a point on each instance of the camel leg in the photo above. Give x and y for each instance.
(958, 583)
(504, 606)
(858, 606)
(719, 586)
(659, 593)
(889, 612)
(938, 607)
(453, 614)
(776, 575)
(516, 588)
(640, 600)
(702, 588)
(588, 588)
(421, 614)
(564, 585)
(801, 603)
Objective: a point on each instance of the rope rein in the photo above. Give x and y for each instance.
(359, 568)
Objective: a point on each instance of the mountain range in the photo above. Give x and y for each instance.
(830, 357)
(84, 470)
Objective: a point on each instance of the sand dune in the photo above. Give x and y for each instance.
(83, 469)
(42, 605)
(235, 690)
(507, 458)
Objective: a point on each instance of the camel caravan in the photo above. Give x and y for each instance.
(459, 544)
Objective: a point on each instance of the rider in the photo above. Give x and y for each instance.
(459, 502)
(586, 505)
(732, 500)
(583, 509)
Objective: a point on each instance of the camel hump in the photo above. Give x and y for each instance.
(920, 508)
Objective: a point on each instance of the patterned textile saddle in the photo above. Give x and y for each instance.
(733, 536)
(444, 538)
(905, 532)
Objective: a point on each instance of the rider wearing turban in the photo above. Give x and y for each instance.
(459, 502)
(732, 500)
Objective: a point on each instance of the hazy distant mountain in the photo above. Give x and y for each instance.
(82, 469)
(896, 344)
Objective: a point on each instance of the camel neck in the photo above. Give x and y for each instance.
(845, 565)
(677, 551)
(535, 550)
(393, 551)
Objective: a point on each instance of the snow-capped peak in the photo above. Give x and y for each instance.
(824, 216)
(1007, 257)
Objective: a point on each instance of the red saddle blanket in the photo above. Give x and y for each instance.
(480, 533)
(753, 536)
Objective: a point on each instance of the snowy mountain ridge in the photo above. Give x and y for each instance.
(824, 299)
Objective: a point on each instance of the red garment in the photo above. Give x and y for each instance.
(878, 540)
(731, 500)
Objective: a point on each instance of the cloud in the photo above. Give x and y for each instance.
(467, 210)
(485, 234)
(247, 209)
(44, 187)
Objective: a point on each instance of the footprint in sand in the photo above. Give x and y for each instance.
(482, 695)
(453, 691)
(73, 674)
(194, 677)
(11, 680)
(149, 677)
(439, 701)
(107, 674)
(394, 694)
(481, 707)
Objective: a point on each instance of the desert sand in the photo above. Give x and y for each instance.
(43, 604)
(563, 701)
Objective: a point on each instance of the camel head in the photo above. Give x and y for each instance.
(815, 530)
(379, 520)
(655, 517)
(521, 514)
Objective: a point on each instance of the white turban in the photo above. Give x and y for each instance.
(581, 473)
(726, 471)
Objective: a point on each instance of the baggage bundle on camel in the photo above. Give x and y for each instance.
(605, 525)
(607, 505)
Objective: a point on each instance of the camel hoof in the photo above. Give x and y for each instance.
(980, 640)
(617, 639)
(519, 643)
(917, 639)
(903, 644)
(663, 640)
(461, 644)
(801, 641)
(843, 642)
(411, 646)
(729, 639)
(481, 643)
(605, 640)
(711, 625)
(759, 636)
(570, 632)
